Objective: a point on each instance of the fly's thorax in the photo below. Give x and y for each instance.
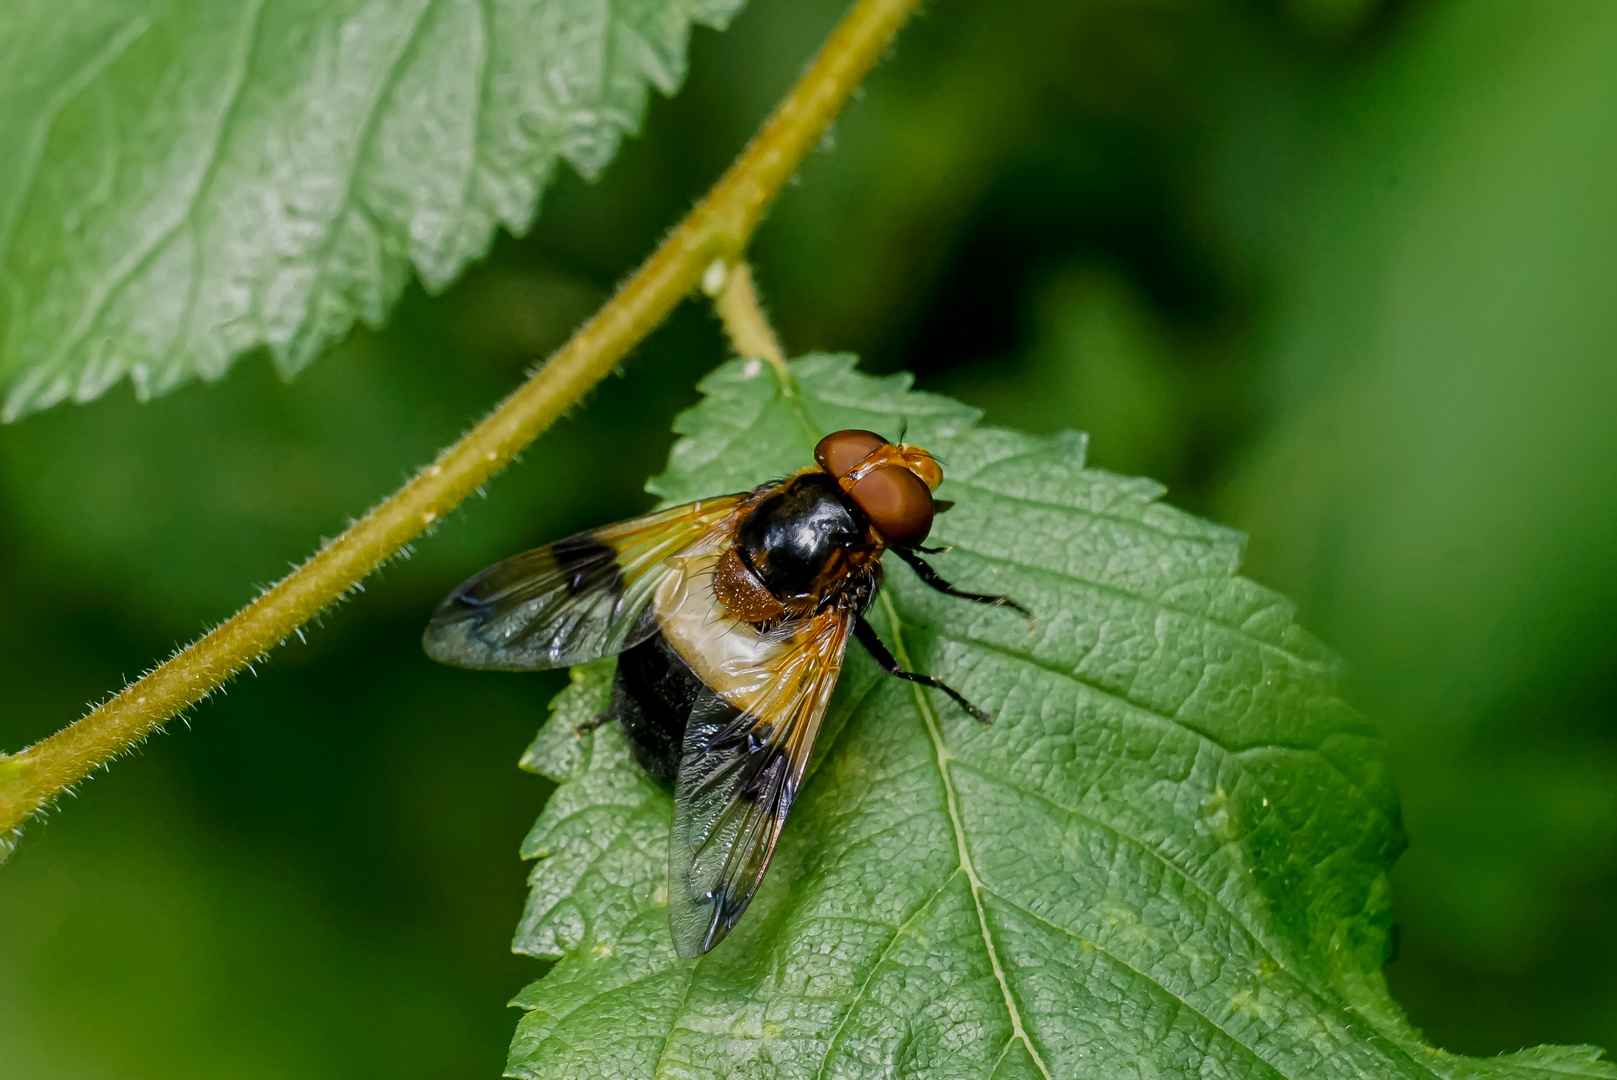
(740, 659)
(797, 539)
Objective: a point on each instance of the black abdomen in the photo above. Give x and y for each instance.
(654, 695)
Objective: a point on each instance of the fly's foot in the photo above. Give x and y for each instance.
(592, 723)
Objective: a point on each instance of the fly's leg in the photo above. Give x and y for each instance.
(605, 716)
(932, 579)
(867, 637)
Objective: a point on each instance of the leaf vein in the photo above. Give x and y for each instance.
(474, 161)
(1006, 1049)
(143, 255)
(1213, 544)
(886, 954)
(1146, 976)
(1312, 664)
(1262, 946)
(1387, 1045)
(362, 150)
(93, 68)
(1235, 754)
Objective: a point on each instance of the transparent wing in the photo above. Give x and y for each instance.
(576, 600)
(738, 777)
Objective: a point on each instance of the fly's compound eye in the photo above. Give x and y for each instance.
(840, 451)
(897, 502)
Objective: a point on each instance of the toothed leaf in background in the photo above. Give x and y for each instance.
(1167, 857)
(187, 181)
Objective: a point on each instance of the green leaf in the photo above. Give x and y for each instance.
(1167, 857)
(189, 179)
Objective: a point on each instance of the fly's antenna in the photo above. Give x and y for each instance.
(903, 430)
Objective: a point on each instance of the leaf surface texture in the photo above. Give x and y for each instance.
(185, 180)
(1167, 858)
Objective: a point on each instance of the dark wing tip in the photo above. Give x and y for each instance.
(447, 636)
(695, 937)
(689, 945)
(444, 643)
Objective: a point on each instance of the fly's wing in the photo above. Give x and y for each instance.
(577, 600)
(738, 776)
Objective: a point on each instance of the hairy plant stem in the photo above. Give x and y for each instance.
(744, 319)
(715, 232)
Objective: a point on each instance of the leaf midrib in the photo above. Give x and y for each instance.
(951, 803)
(790, 393)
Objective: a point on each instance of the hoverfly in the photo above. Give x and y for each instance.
(729, 617)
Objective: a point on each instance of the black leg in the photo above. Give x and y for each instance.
(929, 576)
(867, 637)
(602, 717)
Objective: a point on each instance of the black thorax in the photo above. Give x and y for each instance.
(795, 538)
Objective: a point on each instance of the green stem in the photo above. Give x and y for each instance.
(719, 228)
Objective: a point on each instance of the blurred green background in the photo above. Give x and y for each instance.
(1342, 273)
